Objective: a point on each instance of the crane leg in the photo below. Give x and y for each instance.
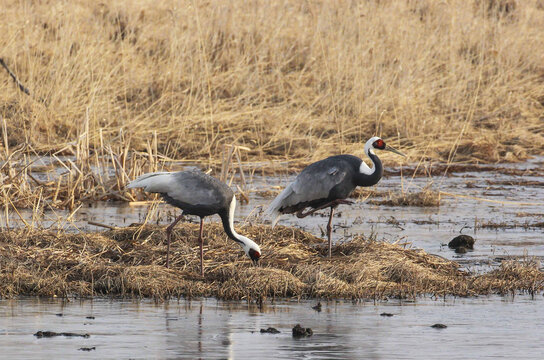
(201, 242)
(168, 236)
(329, 231)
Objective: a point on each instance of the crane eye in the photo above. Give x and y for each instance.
(379, 144)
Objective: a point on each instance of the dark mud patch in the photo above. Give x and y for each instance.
(299, 331)
(511, 225)
(50, 334)
(426, 222)
(520, 182)
(87, 348)
(462, 241)
(270, 330)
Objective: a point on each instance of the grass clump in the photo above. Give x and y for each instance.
(427, 197)
(130, 263)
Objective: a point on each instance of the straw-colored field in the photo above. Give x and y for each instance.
(125, 85)
(130, 262)
(455, 80)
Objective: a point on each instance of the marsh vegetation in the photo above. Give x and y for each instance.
(131, 86)
(118, 89)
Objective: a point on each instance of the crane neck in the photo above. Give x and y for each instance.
(228, 224)
(370, 176)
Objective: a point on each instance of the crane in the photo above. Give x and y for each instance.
(196, 193)
(328, 182)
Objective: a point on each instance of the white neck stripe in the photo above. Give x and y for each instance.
(247, 243)
(364, 169)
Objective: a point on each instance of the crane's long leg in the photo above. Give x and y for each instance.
(329, 230)
(168, 236)
(201, 242)
(300, 214)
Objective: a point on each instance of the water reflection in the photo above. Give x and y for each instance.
(209, 329)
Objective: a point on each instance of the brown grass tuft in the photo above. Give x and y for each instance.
(425, 197)
(130, 263)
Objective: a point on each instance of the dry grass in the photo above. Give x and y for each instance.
(453, 80)
(127, 86)
(423, 197)
(426, 197)
(130, 262)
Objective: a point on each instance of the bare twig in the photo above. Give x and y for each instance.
(14, 77)
(102, 225)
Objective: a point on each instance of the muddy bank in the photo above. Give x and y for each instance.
(130, 263)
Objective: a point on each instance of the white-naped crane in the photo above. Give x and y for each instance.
(327, 183)
(196, 193)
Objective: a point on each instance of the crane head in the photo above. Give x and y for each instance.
(378, 143)
(252, 250)
(254, 255)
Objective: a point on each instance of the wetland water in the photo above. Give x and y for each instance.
(499, 327)
(496, 327)
(514, 202)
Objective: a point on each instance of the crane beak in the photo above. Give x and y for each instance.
(389, 148)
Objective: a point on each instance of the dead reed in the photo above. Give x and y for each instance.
(424, 198)
(130, 263)
(118, 88)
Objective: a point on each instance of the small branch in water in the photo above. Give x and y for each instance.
(14, 77)
(102, 225)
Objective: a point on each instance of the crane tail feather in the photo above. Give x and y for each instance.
(152, 182)
(273, 211)
(275, 218)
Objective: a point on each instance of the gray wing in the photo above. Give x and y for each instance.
(313, 183)
(197, 188)
(191, 187)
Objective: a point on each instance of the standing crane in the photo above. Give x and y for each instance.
(196, 193)
(327, 183)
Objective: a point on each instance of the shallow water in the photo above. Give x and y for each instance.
(478, 327)
(491, 200)
(495, 327)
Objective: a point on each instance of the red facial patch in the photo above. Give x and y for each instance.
(254, 255)
(379, 144)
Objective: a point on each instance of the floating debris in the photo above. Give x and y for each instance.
(462, 241)
(299, 331)
(89, 317)
(87, 348)
(48, 334)
(270, 330)
(386, 314)
(461, 250)
(439, 326)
